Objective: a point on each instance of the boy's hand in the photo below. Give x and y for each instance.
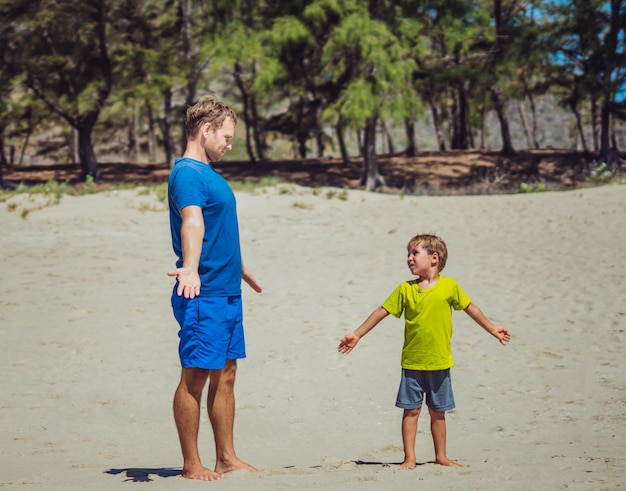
(348, 343)
(502, 334)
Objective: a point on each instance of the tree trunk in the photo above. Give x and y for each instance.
(132, 140)
(522, 116)
(371, 177)
(87, 156)
(437, 125)
(605, 134)
(595, 128)
(459, 140)
(483, 125)
(613, 68)
(245, 99)
(152, 145)
(505, 132)
(74, 149)
(389, 140)
(533, 112)
(411, 147)
(166, 127)
(25, 144)
(342, 143)
(579, 124)
(259, 143)
(614, 147)
(3, 158)
(298, 151)
(319, 132)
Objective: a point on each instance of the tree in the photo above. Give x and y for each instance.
(503, 66)
(451, 64)
(7, 75)
(587, 40)
(148, 76)
(375, 71)
(65, 48)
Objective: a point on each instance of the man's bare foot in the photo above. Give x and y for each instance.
(235, 465)
(408, 464)
(447, 462)
(201, 473)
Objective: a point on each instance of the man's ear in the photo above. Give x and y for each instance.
(205, 128)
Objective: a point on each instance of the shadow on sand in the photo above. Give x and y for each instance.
(387, 464)
(142, 474)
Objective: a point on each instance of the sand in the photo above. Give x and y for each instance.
(89, 346)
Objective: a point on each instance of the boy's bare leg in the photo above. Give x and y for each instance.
(409, 434)
(221, 406)
(438, 430)
(187, 417)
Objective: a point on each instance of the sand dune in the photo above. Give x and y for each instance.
(88, 342)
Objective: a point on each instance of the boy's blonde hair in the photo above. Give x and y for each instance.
(432, 244)
(208, 109)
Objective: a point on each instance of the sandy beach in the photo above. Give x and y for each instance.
(89, 358)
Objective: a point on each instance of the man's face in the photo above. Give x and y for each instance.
(218, 141)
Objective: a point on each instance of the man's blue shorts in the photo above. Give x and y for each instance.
(211, 330)
(436, 385)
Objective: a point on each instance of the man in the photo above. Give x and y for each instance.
(206, 299)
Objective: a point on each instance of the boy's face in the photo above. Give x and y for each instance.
(419, 261)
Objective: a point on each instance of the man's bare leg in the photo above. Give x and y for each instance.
(409, 435)
(438, 430)
(187, 417)
(221, 406)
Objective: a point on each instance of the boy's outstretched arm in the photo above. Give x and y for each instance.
(499, 332)
(350, 340)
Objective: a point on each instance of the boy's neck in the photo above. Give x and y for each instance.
(428, 280)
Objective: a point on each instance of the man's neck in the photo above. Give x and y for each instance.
(195, 151)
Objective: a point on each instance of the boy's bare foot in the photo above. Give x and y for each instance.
(201, 473)
(408, 464)
(447, 462)
(235, 465)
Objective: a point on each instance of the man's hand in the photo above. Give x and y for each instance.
(188, 282)
(249, 279)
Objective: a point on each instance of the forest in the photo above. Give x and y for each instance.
(81, 81)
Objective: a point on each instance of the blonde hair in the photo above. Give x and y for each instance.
(207, 109)
(432, 244)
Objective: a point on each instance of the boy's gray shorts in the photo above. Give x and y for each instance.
(435, 385)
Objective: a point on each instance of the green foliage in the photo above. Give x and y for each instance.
(374, 65)
(532, 188)
(296, 67)
(601, 174)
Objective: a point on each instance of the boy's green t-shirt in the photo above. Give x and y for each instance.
(427, 321)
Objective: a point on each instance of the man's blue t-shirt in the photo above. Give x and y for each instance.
(195, 183)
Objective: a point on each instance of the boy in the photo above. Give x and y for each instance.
(427, 304)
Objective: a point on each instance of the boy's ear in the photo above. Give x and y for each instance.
(435, 256)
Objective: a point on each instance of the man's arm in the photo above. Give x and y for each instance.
(249, 279)
(191, 235)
